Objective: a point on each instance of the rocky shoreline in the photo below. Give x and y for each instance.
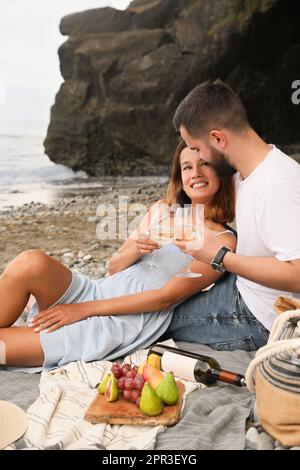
(67, 229)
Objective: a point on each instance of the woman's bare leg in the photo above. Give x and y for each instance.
(20, 346)
(32, 272)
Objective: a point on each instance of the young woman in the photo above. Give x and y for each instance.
(76, 318)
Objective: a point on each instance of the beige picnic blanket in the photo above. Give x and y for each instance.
(56, 418)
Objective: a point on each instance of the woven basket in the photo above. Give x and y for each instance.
(276, 369)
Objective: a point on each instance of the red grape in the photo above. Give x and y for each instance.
(121, 383)
(117, 370)
(135, 394)
(126, 368)
(127, 394)
(130, 374)
(139, 385)
(129, 384)
(137, 401)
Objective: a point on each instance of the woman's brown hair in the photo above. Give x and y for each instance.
(222, 207)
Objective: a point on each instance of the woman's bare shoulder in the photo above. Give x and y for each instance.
(214, 226)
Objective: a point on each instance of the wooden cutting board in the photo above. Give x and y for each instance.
(122, 411)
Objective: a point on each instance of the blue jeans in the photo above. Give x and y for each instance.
(219, 318)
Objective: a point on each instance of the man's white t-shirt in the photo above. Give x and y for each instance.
(268, 224)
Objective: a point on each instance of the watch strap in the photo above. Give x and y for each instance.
(218, 259)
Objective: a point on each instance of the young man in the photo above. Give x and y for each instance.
(237, 313)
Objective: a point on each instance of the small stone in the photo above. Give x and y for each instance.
(75, 262)
(95, 246)
(69, 254)
(94, 219)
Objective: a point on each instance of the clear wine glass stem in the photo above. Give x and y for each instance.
(149, 263)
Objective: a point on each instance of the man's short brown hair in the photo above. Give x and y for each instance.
(210, 105)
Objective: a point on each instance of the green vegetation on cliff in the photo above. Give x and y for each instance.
(241, 11)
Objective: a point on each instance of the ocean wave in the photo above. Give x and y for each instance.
(47, 174)
(23, 162)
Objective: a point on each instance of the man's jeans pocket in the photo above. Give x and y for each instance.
(246, 344)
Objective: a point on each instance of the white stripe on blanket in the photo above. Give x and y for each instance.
(56, 418)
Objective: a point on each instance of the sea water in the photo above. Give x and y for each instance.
(27, 174)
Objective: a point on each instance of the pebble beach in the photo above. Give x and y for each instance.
(67, 228)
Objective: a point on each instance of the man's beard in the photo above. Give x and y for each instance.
(219, 162)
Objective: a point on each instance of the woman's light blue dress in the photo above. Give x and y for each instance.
(110, 337)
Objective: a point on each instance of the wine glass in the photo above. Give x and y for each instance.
(161, 228)
(189, 227)
(162, 225)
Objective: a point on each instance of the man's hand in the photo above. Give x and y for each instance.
(60, 315)
(204, 250)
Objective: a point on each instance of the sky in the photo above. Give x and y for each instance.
(29, 65)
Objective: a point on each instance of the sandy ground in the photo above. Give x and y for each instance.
(66, 229)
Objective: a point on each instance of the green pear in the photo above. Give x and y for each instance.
(150, 404)
(102, 386)
(167, 389)
(111, 391)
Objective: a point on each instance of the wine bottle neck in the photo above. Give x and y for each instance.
(229, 377)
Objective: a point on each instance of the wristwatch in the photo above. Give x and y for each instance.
(217, 262)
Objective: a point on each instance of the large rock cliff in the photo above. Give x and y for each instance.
(126, 71)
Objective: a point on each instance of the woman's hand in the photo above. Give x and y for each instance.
(145, 245)
(55, 317)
